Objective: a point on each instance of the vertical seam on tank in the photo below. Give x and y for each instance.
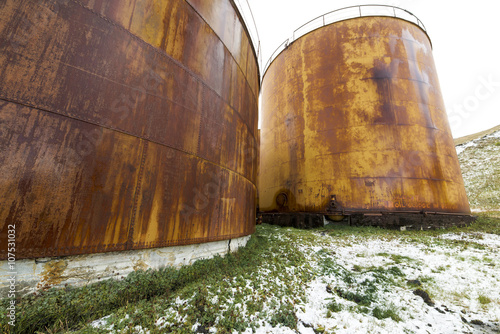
(136, 197)
(218, 223)
(198, 145)
(132, 16)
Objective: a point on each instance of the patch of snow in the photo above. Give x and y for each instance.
(139, 330)
(494, 135)
(100, 323)
(267, 328)
(491, 240)
(195, 327)
(461, 148)
(458, 276)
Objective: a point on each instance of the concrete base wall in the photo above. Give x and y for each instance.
(42, 273)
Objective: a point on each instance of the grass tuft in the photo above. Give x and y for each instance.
(334, 306)
(483, 300)
(380, 313)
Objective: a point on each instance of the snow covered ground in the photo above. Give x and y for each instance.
(361, 283)
(458, 279)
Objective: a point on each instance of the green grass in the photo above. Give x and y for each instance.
(334, 307)
(401, 259)
(486, 224)
(483, 300)
(397, 258)
(439, 269)
(381, 313)
(426, 279)
(357, 296)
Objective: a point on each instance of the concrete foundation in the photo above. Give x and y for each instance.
(43, 273)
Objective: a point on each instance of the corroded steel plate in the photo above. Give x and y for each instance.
(125, 124)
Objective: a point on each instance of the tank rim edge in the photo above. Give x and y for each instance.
(255, 52)
(286, 42)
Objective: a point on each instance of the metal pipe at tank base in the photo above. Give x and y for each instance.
(295, 219)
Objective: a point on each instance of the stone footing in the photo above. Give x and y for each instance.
(42, 273)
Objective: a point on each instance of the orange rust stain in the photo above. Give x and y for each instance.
(52, 273)
(140, 265)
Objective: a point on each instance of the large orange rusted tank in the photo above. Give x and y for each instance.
(353, 123)
(125, 124)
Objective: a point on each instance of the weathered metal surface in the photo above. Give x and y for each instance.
(353, 121)
(125, 124)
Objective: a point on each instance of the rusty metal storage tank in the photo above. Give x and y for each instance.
(125, 125)
(353, 124)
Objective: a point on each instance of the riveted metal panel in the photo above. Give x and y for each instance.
(125, 124)
(354, 110)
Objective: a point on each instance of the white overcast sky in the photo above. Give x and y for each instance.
(466, 48)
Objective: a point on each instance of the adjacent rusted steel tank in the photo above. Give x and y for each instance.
(125, 125)
(353, 124)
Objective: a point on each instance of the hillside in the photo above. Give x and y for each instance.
(480, 163)
(468, 138)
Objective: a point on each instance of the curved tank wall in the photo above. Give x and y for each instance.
(353, 121)
(125, 125)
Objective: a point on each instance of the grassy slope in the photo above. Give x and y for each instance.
(480, 166)
(466, 139)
